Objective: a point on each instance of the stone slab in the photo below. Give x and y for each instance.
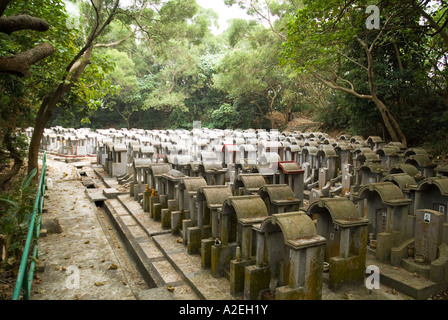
(189, 266)
(95, 195)
(113, 192)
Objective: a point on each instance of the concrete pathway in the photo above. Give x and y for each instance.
(79, 262)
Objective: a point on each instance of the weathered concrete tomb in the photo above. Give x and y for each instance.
(278, 214)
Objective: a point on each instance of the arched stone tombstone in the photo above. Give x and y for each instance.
(133, 150)
(289, 259)
(192, 168)
(119, 160)
(423, 164)
(230, 153)
(366, 158)
(293, 153)
(271, 146)
(407, 168)
(268, 172)
(407, 184)
(374, 142)
(181, 162)
(338, 221)
(238, 215)
(156, 170)
(367, 174)
(345, 155)
(279, 198)
(442, 171)
(81, 146)
(432, 194)
(414, 151)
(389, 156)
(187, 216)
(347, 179)
(146, 152)
(213, 172)
(140, 167)
(209, 200)
(268, 166)
(327, 158)
(385, 206)
(170, 181)
(309, 154)
(292, 175)
(248, 184)
(159, 201)
(247, 159)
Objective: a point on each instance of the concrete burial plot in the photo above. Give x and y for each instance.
(187, 216)
(209, 200)
(385, 206)
(432, 194)
(248, 183)
(238, 215)
(279, 198)
(339, 222)
(289, 259)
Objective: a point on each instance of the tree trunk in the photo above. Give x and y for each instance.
(384, 111)
(49, 104)
(391, 124)
(44, 115)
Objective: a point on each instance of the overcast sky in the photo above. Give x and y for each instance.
(225, 13)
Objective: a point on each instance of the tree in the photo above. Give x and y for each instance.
(20, 62)
(26, 44)
(181, 68)
(433, 50)
(250, 71)
(125, 98)
(102, 12)
(322, 38)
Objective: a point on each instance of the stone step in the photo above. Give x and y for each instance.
(162, 255)
(409, 283)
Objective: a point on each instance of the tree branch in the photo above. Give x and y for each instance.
(95, 32)
(11, 24)
(352, 60)
(20, 63)
(116, 43)
(335, 86)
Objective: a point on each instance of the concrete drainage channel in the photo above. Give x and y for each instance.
(137, 246)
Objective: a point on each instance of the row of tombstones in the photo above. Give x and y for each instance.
(271, 215)
(259, 233)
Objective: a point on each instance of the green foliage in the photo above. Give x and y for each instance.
(325, 41)
(18, 103)
(226, 117)
(178, 72)
(15, 212)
